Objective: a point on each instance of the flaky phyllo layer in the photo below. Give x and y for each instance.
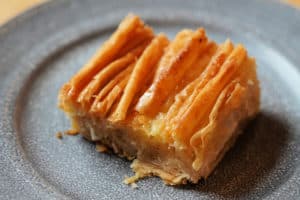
(188, 94)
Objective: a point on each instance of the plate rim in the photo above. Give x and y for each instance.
(37, 10)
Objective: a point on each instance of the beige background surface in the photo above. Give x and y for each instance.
(11, 8)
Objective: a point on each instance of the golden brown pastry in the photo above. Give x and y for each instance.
(175, 107)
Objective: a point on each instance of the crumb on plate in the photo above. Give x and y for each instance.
(131, 181)
(59, 135)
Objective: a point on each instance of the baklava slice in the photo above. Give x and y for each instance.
(175, 107)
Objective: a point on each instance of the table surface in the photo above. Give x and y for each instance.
(11, 8)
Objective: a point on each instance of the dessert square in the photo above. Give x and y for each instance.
(174, 107)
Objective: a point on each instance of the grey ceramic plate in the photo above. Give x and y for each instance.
(41, 49)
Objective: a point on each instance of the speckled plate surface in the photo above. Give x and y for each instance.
(41, 49)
